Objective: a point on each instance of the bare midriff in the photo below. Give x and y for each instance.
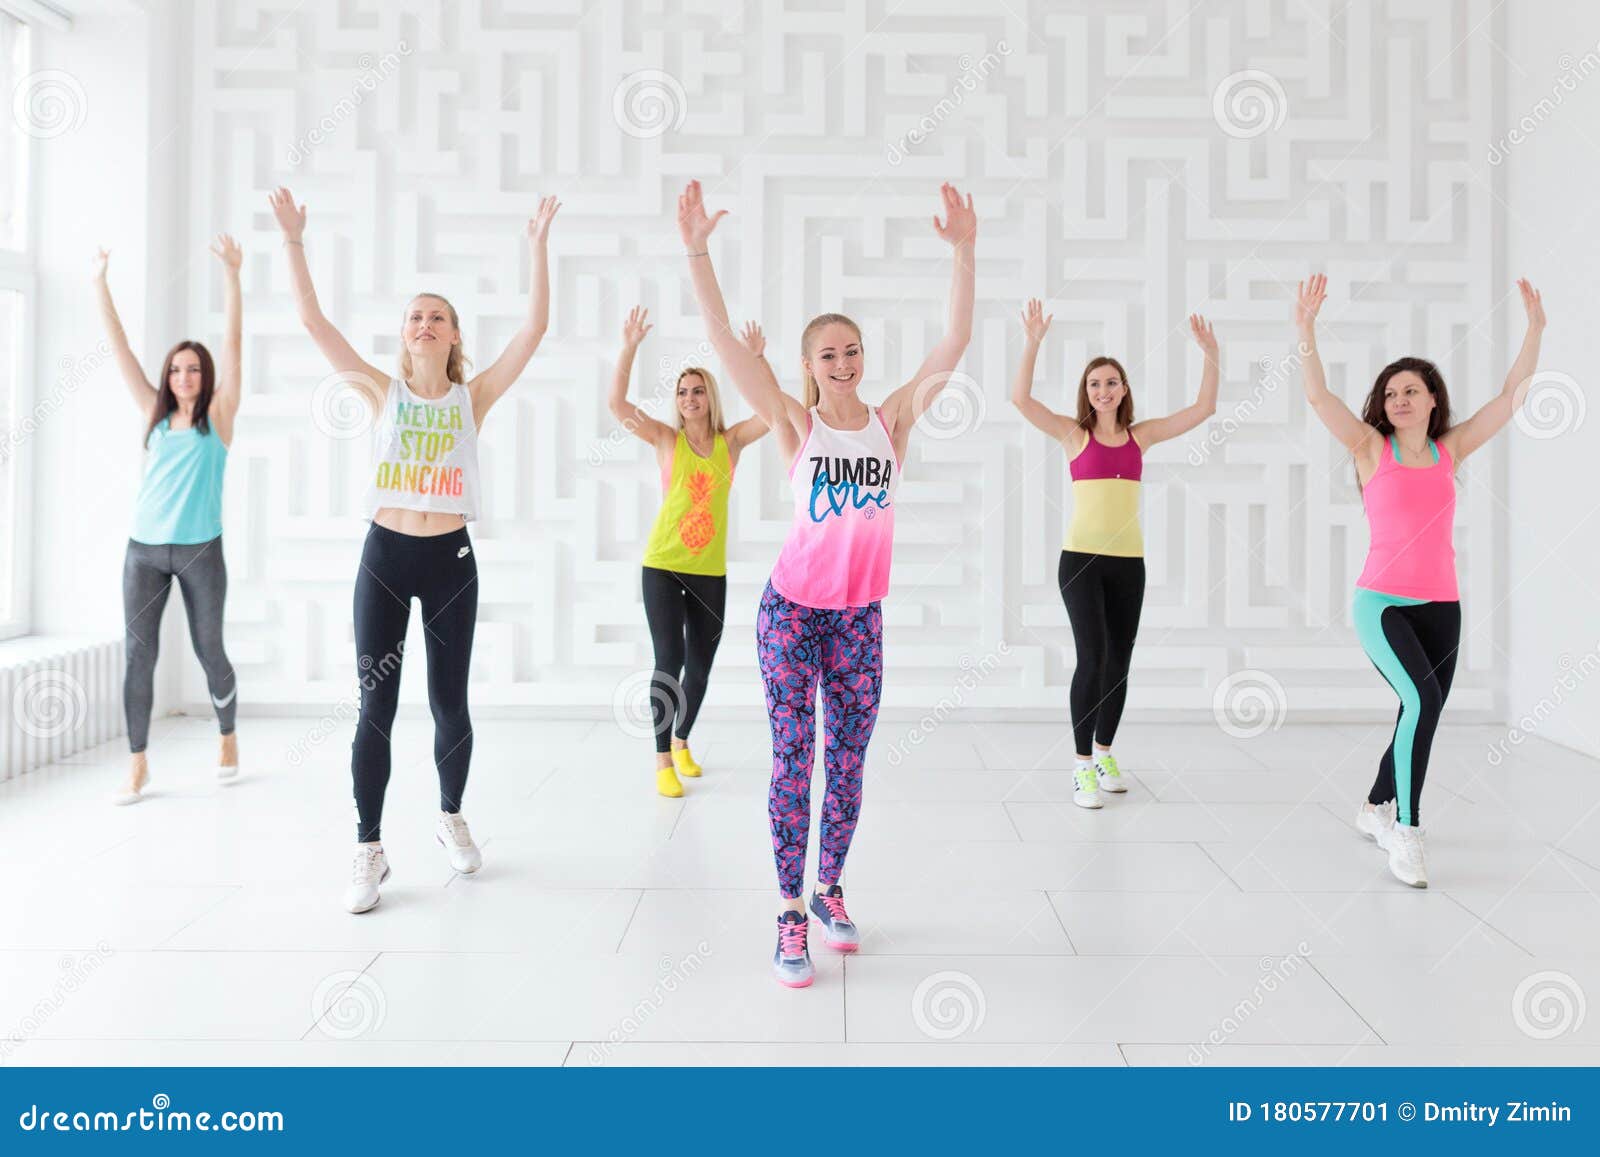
(420, 523)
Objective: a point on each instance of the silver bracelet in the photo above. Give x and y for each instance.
(707, 253)
(288, 241)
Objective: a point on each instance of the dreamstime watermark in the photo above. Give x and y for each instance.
(954, 404)
(1573, 72)
(649, 103)
(48, 104)
(972, 73)
(973, 673)
(348, 708)
(373, 74)
(1573, 674)
(637, 697)
(49, 703)
(1550, 403)
(75, 973)
(341, 407)
(74, 372)
(658, 405)
(1273, 376)
(1275, 972)
(348, 1005)
(948, 1005)
(1248, 103)
(1249, 703)
(672, 974)
(1548, 1004)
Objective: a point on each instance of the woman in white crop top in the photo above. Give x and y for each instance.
(422, 489)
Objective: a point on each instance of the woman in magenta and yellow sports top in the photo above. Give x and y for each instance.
(820, 619)
(1101, 572)
(1407, 610)
(686, 561)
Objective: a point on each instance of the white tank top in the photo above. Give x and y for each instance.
(424, 454)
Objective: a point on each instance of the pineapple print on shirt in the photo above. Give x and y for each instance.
(691, 531)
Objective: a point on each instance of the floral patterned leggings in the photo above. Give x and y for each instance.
(798, 648)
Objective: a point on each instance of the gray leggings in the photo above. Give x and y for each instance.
(147, 575)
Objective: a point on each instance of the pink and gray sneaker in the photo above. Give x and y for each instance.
(791, 963)
(838, 932)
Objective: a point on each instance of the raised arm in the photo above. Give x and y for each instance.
(960, 228)
(1340, 420)
(230, 375)
(1035, 324)
(144, 394)
(1180, 422)
(756, 384)
(1491, 418)
(634, 420)
(487, 387)
(363, 377)
(742, 434)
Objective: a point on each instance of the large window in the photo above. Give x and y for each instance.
(16, 297)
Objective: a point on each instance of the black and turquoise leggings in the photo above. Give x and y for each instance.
(1413, 644)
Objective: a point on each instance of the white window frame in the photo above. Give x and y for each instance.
(18, 274)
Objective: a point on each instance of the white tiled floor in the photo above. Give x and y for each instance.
(1222, 912)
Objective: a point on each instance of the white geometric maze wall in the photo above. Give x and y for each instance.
(1124, 170)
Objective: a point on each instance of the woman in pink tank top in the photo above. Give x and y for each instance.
(819, 621)
(1406, 607)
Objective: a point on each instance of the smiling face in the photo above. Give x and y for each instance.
(694, 400)
(1105, 388)
(185, 376)
(834, 359)
(1407, 402)
(430, 328)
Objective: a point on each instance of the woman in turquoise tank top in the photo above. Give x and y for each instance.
(177, 519)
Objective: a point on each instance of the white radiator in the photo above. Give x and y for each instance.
(57, 698)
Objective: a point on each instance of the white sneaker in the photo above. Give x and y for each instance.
(1404, 845)
(371, 868)
(454, 838)
(1371, 821)
(1086, 792)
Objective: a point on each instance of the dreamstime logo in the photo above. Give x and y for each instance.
(649, 103)
(670, 976)
(74, 372)
(48, 104)
(947, 1005)
(1548, 1004)
(1249, 103)
(49, 703)
(972, 72)
(1552, 404)
(339, 408)
(1273, 376)
(1249, 703)
(75, 973)
(954, 402)
(634, 702)
(973, 673)
(1275, 973)
(347, 1005)
(1573, 674)
(373, 73)
(1572, 71)
(348, 709)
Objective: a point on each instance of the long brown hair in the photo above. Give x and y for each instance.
(456, 366)
(167, 401)
(1374, 414)
(713, 399)
(813, 392)
(1086, 410)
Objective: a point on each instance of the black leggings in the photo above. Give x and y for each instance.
(1104, 595)
(685, 616)
(442, 572)
(1413, 644)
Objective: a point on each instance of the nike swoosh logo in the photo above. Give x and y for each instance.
(463, 552)
(225, 700)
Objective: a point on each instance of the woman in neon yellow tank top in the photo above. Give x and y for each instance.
(686, 562)
(1101, 572)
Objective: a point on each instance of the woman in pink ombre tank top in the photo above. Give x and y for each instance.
(1406, 608)
(820, 623)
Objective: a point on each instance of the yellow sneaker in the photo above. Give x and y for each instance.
(684, 762)
(667, 783)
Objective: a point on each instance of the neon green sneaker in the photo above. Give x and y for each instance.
(1105, 766)
(1086, 792)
